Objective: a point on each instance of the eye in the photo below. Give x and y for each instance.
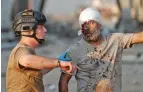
(46, 26)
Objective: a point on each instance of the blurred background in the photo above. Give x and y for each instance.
(62, 25)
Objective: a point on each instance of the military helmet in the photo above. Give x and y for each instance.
(28, 20)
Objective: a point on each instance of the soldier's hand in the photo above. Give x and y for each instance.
(66, 66)
(74, 69)
(65, 63)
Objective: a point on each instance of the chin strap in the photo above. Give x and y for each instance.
(40, 41)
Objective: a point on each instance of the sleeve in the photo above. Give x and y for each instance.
(125, 40)
(20, 53)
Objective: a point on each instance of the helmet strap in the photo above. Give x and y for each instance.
(40, 41)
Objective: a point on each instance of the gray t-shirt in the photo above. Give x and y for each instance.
(101, 63)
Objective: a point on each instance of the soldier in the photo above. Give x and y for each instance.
(25, 69)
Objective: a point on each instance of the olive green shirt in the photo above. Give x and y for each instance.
(19, 78)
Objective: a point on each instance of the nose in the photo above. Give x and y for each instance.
(45, 32)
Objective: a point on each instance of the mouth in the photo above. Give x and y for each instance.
(92, 34)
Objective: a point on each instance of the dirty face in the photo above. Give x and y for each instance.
(91, 30)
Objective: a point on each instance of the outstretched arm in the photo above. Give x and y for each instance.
(129, 39)
(63, 82)
(39, 62)
(137, 38)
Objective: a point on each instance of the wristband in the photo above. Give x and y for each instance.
(59, 65)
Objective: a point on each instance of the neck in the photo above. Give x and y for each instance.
(29, 42)
(97, 41)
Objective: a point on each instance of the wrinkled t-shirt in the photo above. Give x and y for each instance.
(99, 64)
(19, 78)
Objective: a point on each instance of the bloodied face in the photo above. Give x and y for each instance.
(91, 30)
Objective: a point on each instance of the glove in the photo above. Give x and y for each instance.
(64, 58)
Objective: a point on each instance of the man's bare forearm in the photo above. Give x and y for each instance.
(137, 38)
(63, 87)
(38, 62)
(63, 82)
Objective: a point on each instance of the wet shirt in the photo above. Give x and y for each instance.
(99, 64)
(19, 78)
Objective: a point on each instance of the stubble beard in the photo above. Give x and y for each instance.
(93, 36)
